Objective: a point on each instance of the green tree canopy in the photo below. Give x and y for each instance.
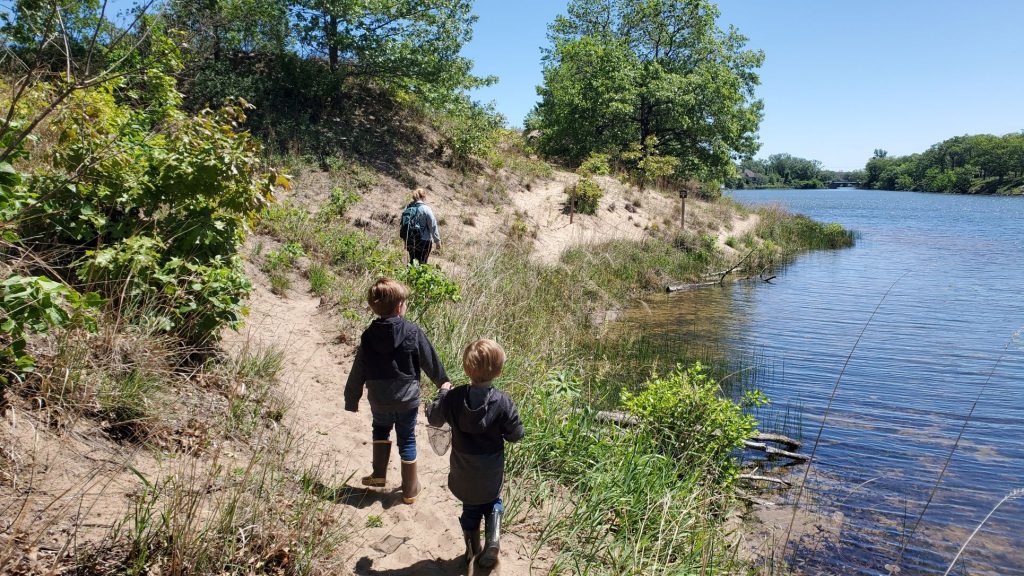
(621, 71)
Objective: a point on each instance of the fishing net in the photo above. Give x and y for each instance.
(440, 438)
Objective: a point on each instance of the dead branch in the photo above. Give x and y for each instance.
(773, 451)
(760, 478)
(792, 443)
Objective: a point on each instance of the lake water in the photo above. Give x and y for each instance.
(943, 334)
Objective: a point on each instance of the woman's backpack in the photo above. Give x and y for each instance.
(409, 221)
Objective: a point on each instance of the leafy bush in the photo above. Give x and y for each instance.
(147, 205)
(34, 305)
(430, 287)
(468, 129)
(585, 195)
(519, 230)
(595, 165)
(692, 420)
(339, 203)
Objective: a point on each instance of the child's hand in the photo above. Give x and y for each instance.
(446, 386)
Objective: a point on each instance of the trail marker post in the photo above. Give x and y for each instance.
(682, 211)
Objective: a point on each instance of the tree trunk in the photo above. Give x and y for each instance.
(332, 41)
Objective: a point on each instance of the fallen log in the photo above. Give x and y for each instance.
(780, 438)
(760, 478)
(773, 451)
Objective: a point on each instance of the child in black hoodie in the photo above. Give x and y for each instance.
(388, 360)
(482, 419)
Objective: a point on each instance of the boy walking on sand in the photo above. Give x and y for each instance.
(391, 353)
(482, 419)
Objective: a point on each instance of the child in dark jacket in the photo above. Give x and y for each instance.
(391, 353)
(482, 419)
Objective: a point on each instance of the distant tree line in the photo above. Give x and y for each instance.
(980, 163)
(787, 171)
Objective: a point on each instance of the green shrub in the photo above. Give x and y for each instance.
(519, 230)
(595, 165)
(34, 305)
(430, 288)
(136, 198)
(283, 259)
(692, 420)
(339, 203)
(468, 129)
(321, 280)
(585, 195)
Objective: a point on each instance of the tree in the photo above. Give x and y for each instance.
(411, 43)
(621, 71)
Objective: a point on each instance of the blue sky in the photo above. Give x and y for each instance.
(841, 77)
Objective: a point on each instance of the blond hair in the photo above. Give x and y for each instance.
(419, 194)
(482, 360)
(385, 295)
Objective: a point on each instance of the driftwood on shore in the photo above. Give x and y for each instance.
(769, 479)
(721, 277)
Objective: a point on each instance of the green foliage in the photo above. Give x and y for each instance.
(646, 165)
(339, 203)
(519, 230)
(430, 288)
(468, 129)
(692, 420)
(321, 280)
(964, 164)
(148, 204)
(284, 259)
(621, 71)
(327, 77)
(596, 164)
(33, 305)
(795, 232)
(585, 195)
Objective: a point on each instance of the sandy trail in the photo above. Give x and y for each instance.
(419, 539)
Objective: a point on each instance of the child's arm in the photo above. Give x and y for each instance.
(354, 386)
(435, 411)
(430, 362)
(512, 428)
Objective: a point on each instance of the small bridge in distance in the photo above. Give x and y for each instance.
(843, 183)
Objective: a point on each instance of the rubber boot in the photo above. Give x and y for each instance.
(410, 482)
(472, 538)
(381, 455)
(492, 531)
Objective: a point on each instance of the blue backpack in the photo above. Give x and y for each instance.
(409, 221)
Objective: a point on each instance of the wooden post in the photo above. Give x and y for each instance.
(682, 211)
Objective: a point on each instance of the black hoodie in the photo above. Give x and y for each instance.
(482, 419)
(391, 353)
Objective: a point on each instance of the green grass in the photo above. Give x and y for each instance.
(321, 279)
(279, 283)
(796, 232)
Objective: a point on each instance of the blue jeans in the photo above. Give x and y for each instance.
(404, 424)
(472, 514)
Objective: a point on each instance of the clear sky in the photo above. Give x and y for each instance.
(841, 77)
